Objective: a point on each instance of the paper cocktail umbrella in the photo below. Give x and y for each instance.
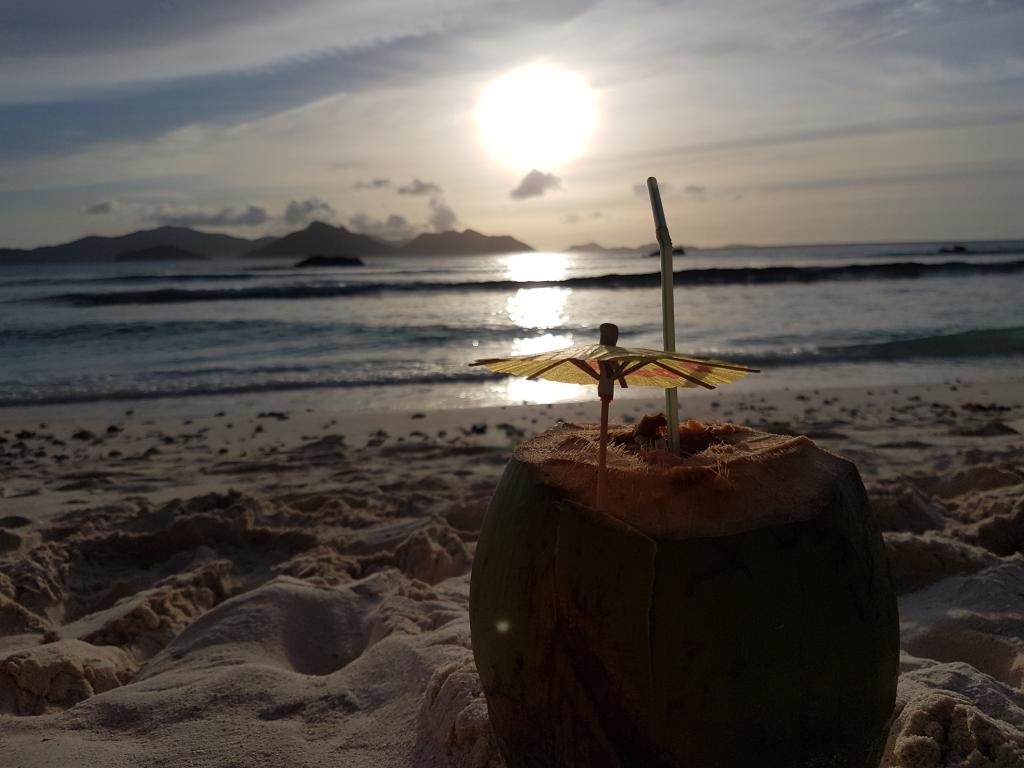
(606, 364)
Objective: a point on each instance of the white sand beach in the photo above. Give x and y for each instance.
(272, 581)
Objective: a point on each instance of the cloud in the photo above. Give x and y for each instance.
(442, 218)
(640, 190)
(394, 227)
(304, 211)
(535, 184)
(372, 184)
(100, 208)
(847, 130)
(251, 216)
(113, 70)
(695, 190)
(417, 187)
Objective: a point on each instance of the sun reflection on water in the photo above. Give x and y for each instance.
(535, 265)
(538, 308)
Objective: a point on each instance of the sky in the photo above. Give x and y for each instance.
(766, 121)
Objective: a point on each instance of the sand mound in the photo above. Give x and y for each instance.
(900, 506)
(1001, 531)
(321, 615)
(287, 624)
(59, 675)
(952, 716)
(970, 478)
(453, 719)
(917, 560)
(977, 618)
(145, 622)
(317, 668)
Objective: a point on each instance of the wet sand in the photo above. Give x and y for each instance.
(274, 581)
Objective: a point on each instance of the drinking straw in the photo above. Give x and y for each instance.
(668, 311)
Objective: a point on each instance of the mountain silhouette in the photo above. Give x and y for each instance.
(324, 239)
(597, 248)
(318, 238)
(467, 243)
(96, 248)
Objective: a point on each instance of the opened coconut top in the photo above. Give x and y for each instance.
(726, 480)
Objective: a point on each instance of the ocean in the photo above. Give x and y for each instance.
(400, 331)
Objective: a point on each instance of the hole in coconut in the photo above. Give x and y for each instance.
(725, 479)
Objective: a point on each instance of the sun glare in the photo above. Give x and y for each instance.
(539, 116)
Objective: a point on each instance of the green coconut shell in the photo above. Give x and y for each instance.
(733, 609)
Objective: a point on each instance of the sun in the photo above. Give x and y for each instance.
(539, 116)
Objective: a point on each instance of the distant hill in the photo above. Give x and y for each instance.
(161, 253)
(321, 238)
(317, 238)
(596, 248)
(465, 243)
(95, 248)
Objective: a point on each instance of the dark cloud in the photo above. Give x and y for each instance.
(250, 216)
(535, 184)
(640, 190)
(100, 208)
(69, 26)
(372, 184)
(442, 218)
(304, 211)
(695, 190)
(394, 227)
(418, 187)
(101, 25)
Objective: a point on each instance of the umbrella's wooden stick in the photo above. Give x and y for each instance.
(668, 311)
(602, 454)
(606, 391)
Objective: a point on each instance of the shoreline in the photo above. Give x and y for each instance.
(487, 391)
(117, 442)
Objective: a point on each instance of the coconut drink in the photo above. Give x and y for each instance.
(730, 605)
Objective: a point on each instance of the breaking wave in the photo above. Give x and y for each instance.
(684, 278)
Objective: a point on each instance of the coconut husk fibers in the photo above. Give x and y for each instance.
(732, 607)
